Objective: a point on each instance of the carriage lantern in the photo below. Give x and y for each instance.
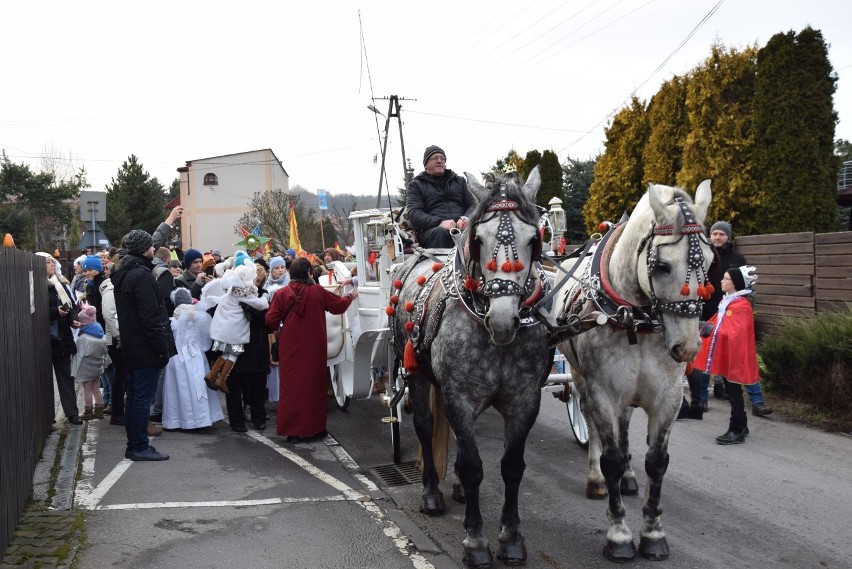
(557, 217)
(375, 229)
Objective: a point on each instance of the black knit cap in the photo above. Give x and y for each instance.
(138, 242)
(737, 278)
(430, 151)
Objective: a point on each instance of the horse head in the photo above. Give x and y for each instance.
(502, 244)
(673, 256)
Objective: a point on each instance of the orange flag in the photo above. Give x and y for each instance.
(295, 244)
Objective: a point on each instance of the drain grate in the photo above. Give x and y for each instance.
(398, 474)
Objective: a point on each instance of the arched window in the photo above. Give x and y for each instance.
(210, 179)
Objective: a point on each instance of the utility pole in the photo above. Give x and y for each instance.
(394, 109)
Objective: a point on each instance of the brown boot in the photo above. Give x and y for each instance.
(99, 411)
(87, 414)
(154, 430)
(213, 374)
(108, 410)
(222, 380)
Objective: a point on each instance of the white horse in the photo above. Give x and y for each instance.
(648, 275)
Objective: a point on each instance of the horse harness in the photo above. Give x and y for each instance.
(596, 287)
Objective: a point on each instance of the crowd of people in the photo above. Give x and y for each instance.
(152, 334)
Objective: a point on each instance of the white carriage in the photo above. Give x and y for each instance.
(360, 347)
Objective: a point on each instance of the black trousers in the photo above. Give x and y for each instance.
(65, 385)
(435, 238)
(739, 419)
(119, 382)
(248, 387)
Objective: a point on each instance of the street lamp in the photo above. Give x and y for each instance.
(375, 110)
(375, 234)
(557, 216)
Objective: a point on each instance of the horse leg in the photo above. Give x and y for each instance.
(595, 482)
(629, 486)
(652, 541)
(512, 550)
(619, 540)
(432, 500)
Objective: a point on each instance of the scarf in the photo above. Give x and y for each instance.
(94, 329)
(60, 291)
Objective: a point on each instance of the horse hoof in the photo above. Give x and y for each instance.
(619, 552)
(477, 557)
(433, 505)
(629, 486)
(458, 493)
(596, 490)
(654, 549)
(513, 553)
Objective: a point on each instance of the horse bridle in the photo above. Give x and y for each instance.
(691, 229)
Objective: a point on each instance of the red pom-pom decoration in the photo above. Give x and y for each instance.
(390, 310)
(470, 284)
(394, 299)
(710, 289)
(684, 290)
(506, 267)
(409, 306)
(437, 267)
(602, 226)
(518, 266)
(397, 284)
(421, 279)
(409, 327)
(702, 292)
(491, 265)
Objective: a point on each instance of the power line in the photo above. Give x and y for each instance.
(494, 122)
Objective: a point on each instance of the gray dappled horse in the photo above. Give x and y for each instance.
(468, 324)
(648, 275)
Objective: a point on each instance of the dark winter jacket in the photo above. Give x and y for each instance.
(256, 357)
(146, 335)
(432, 199)
(61, 339)
(186, 280)
(726, 257)
(93, 297)
(165, 283)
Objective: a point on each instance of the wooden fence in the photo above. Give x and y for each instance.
(800, 274)
(26, 381)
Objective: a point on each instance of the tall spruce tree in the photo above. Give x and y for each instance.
(617, 186)
(794, 120)
(578, 176)
(551, 179)
(720, 143)
(663, 154)
(134, 200)
(531, 160)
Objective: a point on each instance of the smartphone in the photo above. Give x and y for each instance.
(209, 271)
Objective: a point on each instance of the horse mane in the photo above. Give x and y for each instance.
(527, 210)
(643, 215)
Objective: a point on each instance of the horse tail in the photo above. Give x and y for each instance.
(440, 435)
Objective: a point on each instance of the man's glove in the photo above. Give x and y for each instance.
(705, 329)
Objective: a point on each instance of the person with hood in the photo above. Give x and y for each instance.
(146, 339)
(729, 348)
(89, 362)
(437, 201)
(297, 313)
(62, 312)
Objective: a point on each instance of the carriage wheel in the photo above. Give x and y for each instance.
(340, 396)
(575, 416)
(392, 389)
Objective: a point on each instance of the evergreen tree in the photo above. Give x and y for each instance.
(720, 143)
(578, 176)
(663, 154)
(551, 179)
(134, 200)
(618, 174)
(512, 161)
(794, 120)
(531, 160)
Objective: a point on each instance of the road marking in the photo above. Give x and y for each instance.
(88, 497)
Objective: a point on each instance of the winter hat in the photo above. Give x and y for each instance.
(211, 262)
(93, 262)
(291, 252)
(216, 253)
(79, 260)
(276, 262)
(240, 258)
(190, 256)
(430, 151)
(723, 226)
(180, 296)
(743, 277)
(138, 241)
(88, 314)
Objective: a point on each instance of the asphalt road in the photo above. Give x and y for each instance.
(235, 500)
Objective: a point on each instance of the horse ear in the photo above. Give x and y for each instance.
(655, 203)
(532, 184)
(703, 195)
(479, 191)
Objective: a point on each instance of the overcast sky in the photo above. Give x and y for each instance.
(177, 81)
